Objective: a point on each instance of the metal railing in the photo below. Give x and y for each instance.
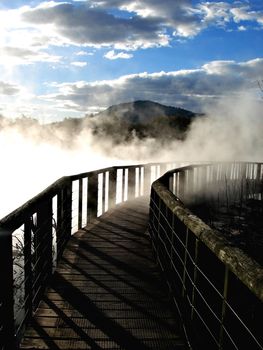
(33, 237)
(217, 288)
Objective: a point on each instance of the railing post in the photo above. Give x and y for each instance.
(131, 182)
(7, 331)
(80, 204)
(147, 179)
(112, 187)
(68, 209)
(158, 233)
(43, 248)
(171, 182)
(64, 216)
(259, 172)
(259, 181)
(123, 184)
(103, 192)
(190, 186)
(28, 267)
(181, 185)
(93, 196)
(59, 231)
(163, 168)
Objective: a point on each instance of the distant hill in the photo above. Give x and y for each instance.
(143, 119)
(119, 123)
(140, 112)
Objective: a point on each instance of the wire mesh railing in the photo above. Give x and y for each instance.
(33, 237)
(216, 286)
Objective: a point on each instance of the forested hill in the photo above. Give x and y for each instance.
(120, 123)
(143, 119)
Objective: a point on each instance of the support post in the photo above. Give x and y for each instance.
(43, 249)
(112, 187)
(28, 267)
(103, 192)
(259, 181)
(181, 185)
(80, 204)
(163, 168)
(147, 179)
(93, 195)
(132, 183)
(123, 184)
(7, 329)
(64, 216)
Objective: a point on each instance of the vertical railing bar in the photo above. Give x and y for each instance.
(6, 291)
(123, 184)
(80, 203)
(103, 186)
(28, 266)
(59, 232)
(44, 250)
(68, 209)
(87, 202)
(106, 191)
(141, 181)
(126, 187)
(93, 196)
(147, 179)
(131, 183)
(112, 188)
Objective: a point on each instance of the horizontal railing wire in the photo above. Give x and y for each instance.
(48, 221)
(226, 321)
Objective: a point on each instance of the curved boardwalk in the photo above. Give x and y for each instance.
(106, 292)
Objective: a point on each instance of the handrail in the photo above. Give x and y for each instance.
(45, 223)
(33, 237)
(16, 217)
(217, 287)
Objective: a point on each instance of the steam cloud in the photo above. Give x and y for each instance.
(34, 155)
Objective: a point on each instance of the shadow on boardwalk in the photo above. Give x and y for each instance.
(106, 292)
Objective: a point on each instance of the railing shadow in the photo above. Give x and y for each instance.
(86, 308)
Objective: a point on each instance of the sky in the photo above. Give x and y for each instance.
(67, 58)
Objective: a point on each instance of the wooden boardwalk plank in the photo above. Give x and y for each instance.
(106, 292)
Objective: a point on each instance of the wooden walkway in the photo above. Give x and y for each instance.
(106, 292)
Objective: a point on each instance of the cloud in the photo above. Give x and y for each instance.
(178, 16)
(79, 24)
(111, 55)
(117, 24)
(241, 28)
(80, 64)
(191, 89)
(184, 18)
(17, 55)
(8, 89)
(244, 13)
(84, 53)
